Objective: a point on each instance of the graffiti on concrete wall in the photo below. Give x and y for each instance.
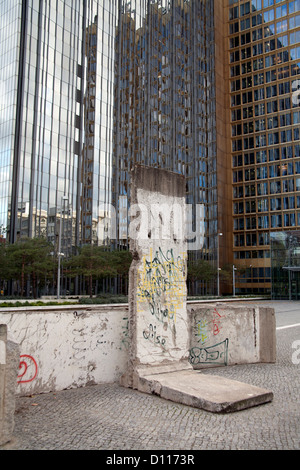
(205, 328)
(28, 369)
(161, 284)
(162, 287)
(216, 354)
(207, 351)
(201, 331)
(125, 340)
(79, 343)
(216, 322)
(64, 347)
(151, 335)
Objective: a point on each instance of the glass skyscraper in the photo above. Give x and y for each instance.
(285, 264)
(205, 88)
(57, 75)
(165, 99)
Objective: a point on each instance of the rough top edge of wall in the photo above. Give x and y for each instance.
(70, 308)
(105, 307)
(158, 180)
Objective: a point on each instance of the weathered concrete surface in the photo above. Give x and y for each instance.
(9, 362)
(73, 346)
(159, 323)
(223, 334)
(209, 392)
(267, 334)
(158, 320)
(68, 346)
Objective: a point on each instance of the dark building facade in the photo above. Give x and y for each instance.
(165, 101)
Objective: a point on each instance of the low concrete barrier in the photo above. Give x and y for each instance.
(224, 334)
(76, 345)
(68, 346)
(9, 362)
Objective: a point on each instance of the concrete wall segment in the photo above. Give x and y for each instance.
(8, 380)
(72, 346)
(68, 347)
(157, 297)
(223, 334)
(152, 179)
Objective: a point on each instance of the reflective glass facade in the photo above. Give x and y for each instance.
(208, 89)
(285, 265)
(90, 88)
(57, 73)
(165, 99)
(10, 35)
(264, 77)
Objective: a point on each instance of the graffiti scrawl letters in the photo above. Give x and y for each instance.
(217, 354)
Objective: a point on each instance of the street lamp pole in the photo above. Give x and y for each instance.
(63, 199)
(218, 261)
(233, 279)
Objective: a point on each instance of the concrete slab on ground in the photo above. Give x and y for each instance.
(208, 392)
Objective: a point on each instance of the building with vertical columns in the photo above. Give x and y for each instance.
(165, 112)
(264, 88)
(205, 88)
(57, 73)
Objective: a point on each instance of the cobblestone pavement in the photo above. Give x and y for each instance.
(111, 417)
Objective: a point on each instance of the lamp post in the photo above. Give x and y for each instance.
(218, 261)
(63, 199)
(233, 279)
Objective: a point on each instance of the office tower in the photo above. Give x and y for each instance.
(209, 89)
(165, 102)
(57, 65)
(264, 76)
(90, 88)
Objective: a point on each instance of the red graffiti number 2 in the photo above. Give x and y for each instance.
(28, 368)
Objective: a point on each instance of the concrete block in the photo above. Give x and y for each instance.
(223, 334)
(68, 346)
(158, 320)
(9, 363)
(267, 334)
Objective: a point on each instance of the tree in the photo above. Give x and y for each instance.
(121, 260)
(200, 270)
(29, 258)
(92, 262)
(95, 262)
(226, 273)
(3, 265)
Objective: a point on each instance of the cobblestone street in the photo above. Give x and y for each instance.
(111, 417)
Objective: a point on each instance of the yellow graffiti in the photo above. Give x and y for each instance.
(202, 331)
(162, 284)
